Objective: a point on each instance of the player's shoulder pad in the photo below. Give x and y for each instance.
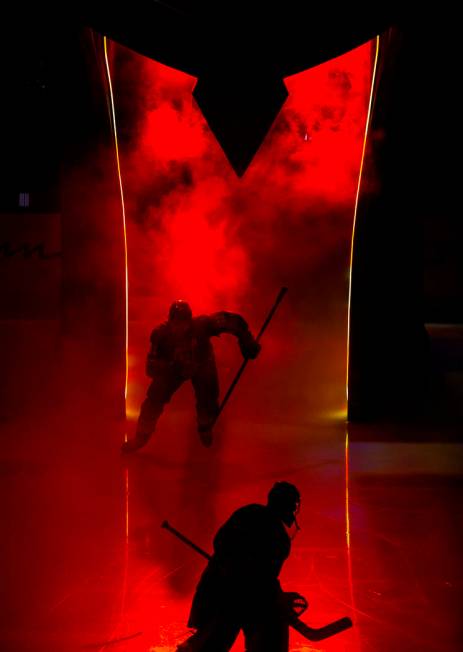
(201, 322)
(225, 318)
(248, 511)
(159, 330)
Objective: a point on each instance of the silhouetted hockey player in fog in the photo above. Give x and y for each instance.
(239, 588)
(181, 350)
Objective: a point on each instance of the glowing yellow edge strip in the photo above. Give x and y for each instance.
(347, 491)
(113, 115)
(367, 125)
(348, 549)
(349, 559)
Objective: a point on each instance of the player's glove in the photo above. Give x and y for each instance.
(250, 348)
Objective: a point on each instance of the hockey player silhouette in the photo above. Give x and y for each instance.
(239, 589)
(181, 350)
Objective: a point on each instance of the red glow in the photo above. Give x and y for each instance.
(173, 135)
(197, 250)
(197, 231)
(126, 503)
(327, 105)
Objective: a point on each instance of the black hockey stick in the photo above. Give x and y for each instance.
(310, 633)
(234, 382)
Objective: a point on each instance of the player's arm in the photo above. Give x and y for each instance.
(234, 324)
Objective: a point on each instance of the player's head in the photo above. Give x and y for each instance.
(180, 311)
(284, 500)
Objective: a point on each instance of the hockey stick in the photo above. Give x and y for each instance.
(234, 382)
(310, 633)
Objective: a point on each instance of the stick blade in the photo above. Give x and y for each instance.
(312, 634)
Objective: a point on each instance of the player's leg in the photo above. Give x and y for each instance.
(206, 386)
(159, 393)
